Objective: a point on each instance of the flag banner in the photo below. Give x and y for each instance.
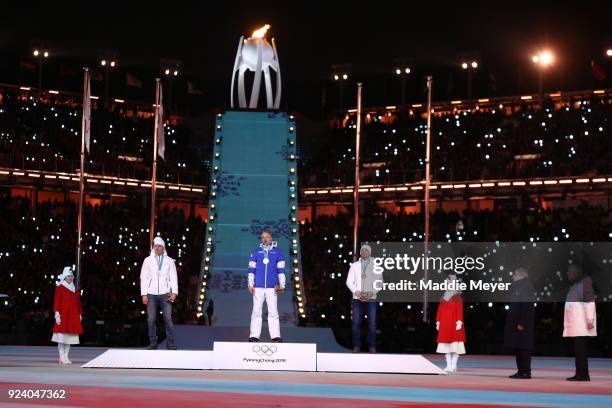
(161, 142)
(87, 109)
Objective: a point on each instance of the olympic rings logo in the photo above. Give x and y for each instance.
(264, 350)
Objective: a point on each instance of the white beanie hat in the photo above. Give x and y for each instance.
(158, 241)
(65, 273)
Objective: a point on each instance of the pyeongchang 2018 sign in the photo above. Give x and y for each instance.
(264, 356)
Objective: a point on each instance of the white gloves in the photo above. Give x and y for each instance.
(251, 279)
(281, 280)
(458, 325)
(81, 317)
(58, 319)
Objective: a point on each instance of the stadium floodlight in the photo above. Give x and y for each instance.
(543, 58)
(470, 65)
(41, 55)
(546, 58)
(402, 70)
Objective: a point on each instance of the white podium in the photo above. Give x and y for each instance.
(264, 356)
(376, 363)
(168, 359)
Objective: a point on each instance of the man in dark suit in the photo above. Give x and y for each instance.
(519, 330)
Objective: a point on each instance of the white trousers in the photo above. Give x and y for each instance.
(269, 296)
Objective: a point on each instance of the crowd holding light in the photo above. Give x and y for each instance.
(330, 238)
(41, 135)
(114, 243)
(471, 145)
(483, 144)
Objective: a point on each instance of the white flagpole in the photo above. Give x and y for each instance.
(427, 187)
(85, 129)
(154, 169)
(356, 190)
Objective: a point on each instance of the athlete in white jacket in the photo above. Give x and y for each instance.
(159, 288)
(360, 281)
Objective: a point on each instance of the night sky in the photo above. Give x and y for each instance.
(312, 36)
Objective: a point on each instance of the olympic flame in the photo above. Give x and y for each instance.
(261, 32)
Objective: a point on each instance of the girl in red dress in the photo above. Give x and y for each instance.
(67, 307)
(449, 323)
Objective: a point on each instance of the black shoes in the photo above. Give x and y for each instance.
(579, 378)
(153, 344)
(274, 340)
(371, 350)
(521, 376)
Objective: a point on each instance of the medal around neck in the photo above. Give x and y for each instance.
(271, 245)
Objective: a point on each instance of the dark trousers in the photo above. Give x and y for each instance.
(581, 351)
(523, 360)
(370, 309)
(156, 302)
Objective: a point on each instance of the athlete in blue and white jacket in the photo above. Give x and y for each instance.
(265, 280)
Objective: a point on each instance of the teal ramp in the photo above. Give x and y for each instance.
(253, 186)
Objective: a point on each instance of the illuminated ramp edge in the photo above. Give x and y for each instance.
(253, 186)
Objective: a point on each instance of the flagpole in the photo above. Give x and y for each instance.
(356, 189)
(84, 136)
(427, 188)
(154, 169)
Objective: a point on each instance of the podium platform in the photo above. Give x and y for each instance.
(264, 357)
(376, 363)
(161, 359)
